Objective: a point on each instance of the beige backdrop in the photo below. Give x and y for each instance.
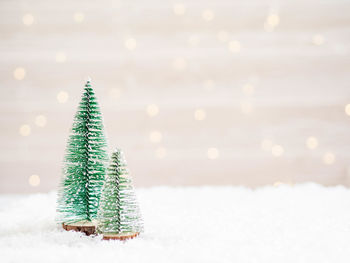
(196, 92)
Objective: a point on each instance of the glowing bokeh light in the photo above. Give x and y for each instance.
(155, 136)
(62, 96)
(277, 150)
(34, 180)
(234, 46)
(25, 130)
(152, 110)
(40, 120)
(273, 20)
(347, 109)
(248, 89)
(208, 15)
(311, 143)
(79, 17)
(329, 158)
(200, 114)
(19, 73)
(130, 43)
(28, 19)
(179, 9)
(213, 153)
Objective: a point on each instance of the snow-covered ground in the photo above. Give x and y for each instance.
(302, 223)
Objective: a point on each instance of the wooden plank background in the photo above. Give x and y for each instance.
(267, 75)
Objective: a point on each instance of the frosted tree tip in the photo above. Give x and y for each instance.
(88, 82)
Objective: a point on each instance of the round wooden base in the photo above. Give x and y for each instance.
(122, 236)
(87, 228)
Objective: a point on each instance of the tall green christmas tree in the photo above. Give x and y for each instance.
(84, 165)
(118, 215)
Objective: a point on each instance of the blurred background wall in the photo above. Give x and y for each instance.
(196, 92)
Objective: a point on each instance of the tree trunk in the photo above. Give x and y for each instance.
(87, 229)
(123, 236)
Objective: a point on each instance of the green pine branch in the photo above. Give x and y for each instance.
(84, 164)
(118, 212)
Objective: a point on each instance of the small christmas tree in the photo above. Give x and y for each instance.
(118, 215)
(84, 167)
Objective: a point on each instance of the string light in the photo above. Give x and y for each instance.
(277, 150)
(34, 180)
(62, 97)
(28, 19)
(347, 109)
(311, 143)
(223, 36)
(79, 17)
(40, 120)
(248, 89)
(317, 40)
(179, 9)
(329, 158)
(213, 153)
(160, 152)
(208, 15)
(25, 130)
(234, 46)
(179, 63)
(200, 114)
(19, 73)
(61, 57)
(155, 136)
(130, 43)
(152, 110)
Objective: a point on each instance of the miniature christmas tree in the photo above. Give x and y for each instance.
(118, 215)
(84, 167)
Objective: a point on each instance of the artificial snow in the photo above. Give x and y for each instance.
(303, 223)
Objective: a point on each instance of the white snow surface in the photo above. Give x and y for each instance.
(302, 223)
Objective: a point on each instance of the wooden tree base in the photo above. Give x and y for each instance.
(86, 227)
(123, 236)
